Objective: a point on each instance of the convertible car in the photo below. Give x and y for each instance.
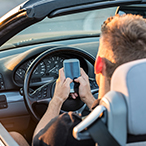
(35, 38)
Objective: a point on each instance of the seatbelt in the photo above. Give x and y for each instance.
(100, 134)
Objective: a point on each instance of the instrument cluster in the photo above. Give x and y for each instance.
(46, 70)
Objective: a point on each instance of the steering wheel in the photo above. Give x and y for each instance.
(44, 93)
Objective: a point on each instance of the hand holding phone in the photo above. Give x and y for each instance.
(71, 70)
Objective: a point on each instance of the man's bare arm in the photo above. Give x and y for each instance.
(61, 93)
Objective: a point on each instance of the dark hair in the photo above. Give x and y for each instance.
(124, 40)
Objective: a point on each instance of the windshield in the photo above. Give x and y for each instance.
(85, 23)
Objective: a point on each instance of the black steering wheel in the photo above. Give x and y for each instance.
(44, 93)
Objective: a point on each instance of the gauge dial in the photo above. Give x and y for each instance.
(28, 63)
(54, 64)
(39, 70)
(20, 73)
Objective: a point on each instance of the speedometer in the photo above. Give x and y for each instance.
(39, 70)
(54, 64)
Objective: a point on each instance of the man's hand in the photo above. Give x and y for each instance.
(84, 89)
(62, 88)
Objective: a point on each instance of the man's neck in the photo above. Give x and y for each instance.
(104, 86)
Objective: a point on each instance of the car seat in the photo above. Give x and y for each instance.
(122, 109)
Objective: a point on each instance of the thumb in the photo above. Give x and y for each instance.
(68, 81)
(79, 79)
(76, 80)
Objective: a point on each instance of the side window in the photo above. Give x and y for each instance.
(133, 9)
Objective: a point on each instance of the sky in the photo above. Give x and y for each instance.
(7, 5)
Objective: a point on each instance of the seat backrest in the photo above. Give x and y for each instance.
(130, 80)
(126, 101)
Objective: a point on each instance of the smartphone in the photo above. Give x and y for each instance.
(71, 70)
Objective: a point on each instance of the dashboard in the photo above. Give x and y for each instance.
(15, 62)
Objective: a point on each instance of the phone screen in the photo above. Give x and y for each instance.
(71, 70)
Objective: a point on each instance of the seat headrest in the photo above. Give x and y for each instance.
(130, 80)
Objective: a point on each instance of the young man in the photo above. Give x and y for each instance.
(123, 39)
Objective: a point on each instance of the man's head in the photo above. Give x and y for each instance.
(123, 39)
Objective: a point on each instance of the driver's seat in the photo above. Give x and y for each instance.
(124, 108)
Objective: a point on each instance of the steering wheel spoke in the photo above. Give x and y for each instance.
(43, 93)
(45, 100)
(79, 111)
(93, 85)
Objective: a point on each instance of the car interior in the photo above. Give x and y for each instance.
(36, 37)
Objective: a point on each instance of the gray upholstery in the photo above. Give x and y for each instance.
(116, 115)
(130, 80)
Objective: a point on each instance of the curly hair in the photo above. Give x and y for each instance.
(124, 40)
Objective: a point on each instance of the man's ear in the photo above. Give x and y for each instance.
(99, 65)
